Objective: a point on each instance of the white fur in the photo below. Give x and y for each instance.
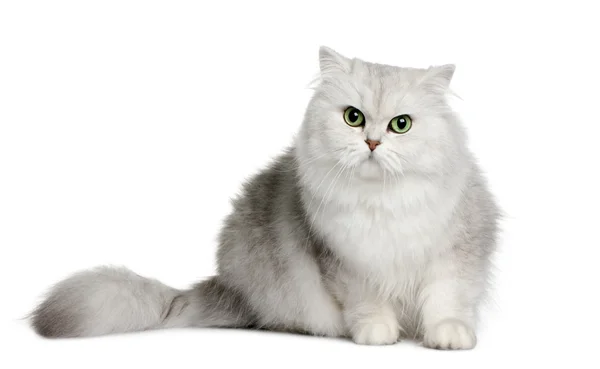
(387, 216)
(398, 243)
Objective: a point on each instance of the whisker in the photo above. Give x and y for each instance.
(321, 183)
(327, 192)
(309, 161)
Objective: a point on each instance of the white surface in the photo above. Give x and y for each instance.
(125, 127)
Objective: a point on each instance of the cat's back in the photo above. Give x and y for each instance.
(268, 202)
(263, 192)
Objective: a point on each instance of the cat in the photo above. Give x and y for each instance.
(375, 225)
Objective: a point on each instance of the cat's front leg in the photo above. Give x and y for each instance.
(372, 322)
(448, 301)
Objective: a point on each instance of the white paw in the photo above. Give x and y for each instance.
(380, 330)
(450, 334)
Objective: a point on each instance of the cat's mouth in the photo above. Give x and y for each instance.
(372, 160)
(370, 168)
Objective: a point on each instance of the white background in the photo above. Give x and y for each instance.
(126, 127)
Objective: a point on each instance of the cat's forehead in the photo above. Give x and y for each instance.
(383, 88)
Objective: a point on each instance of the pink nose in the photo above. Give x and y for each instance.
(372, 144)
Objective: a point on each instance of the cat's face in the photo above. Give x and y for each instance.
(376, 119)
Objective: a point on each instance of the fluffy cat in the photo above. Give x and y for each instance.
(375, 225)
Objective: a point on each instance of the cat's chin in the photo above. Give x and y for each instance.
(370, 170)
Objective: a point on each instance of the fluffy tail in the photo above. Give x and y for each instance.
(115, 300)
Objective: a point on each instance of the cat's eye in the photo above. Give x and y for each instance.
(400, 124)
(353, 117)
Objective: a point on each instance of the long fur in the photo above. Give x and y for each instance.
(332, 238)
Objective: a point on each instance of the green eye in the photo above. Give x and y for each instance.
(353, 117)
(401, 123)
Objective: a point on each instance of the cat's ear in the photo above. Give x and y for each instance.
(438, 78)
(330, 61)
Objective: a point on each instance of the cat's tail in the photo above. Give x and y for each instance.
(109, 300)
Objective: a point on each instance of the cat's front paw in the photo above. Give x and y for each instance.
(380, 330)
(450, 334)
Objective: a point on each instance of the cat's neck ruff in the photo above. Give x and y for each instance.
(382, 228)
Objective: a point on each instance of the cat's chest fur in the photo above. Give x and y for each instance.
(390, 233)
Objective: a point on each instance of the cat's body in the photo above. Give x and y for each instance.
(336, 237)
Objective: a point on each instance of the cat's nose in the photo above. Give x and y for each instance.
(372, 144)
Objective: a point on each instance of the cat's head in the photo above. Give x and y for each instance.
(372, 118)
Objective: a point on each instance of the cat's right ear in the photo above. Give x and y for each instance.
(330, 61)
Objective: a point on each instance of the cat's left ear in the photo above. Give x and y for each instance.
(439, 77)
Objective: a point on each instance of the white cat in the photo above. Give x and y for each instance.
(376, 225)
